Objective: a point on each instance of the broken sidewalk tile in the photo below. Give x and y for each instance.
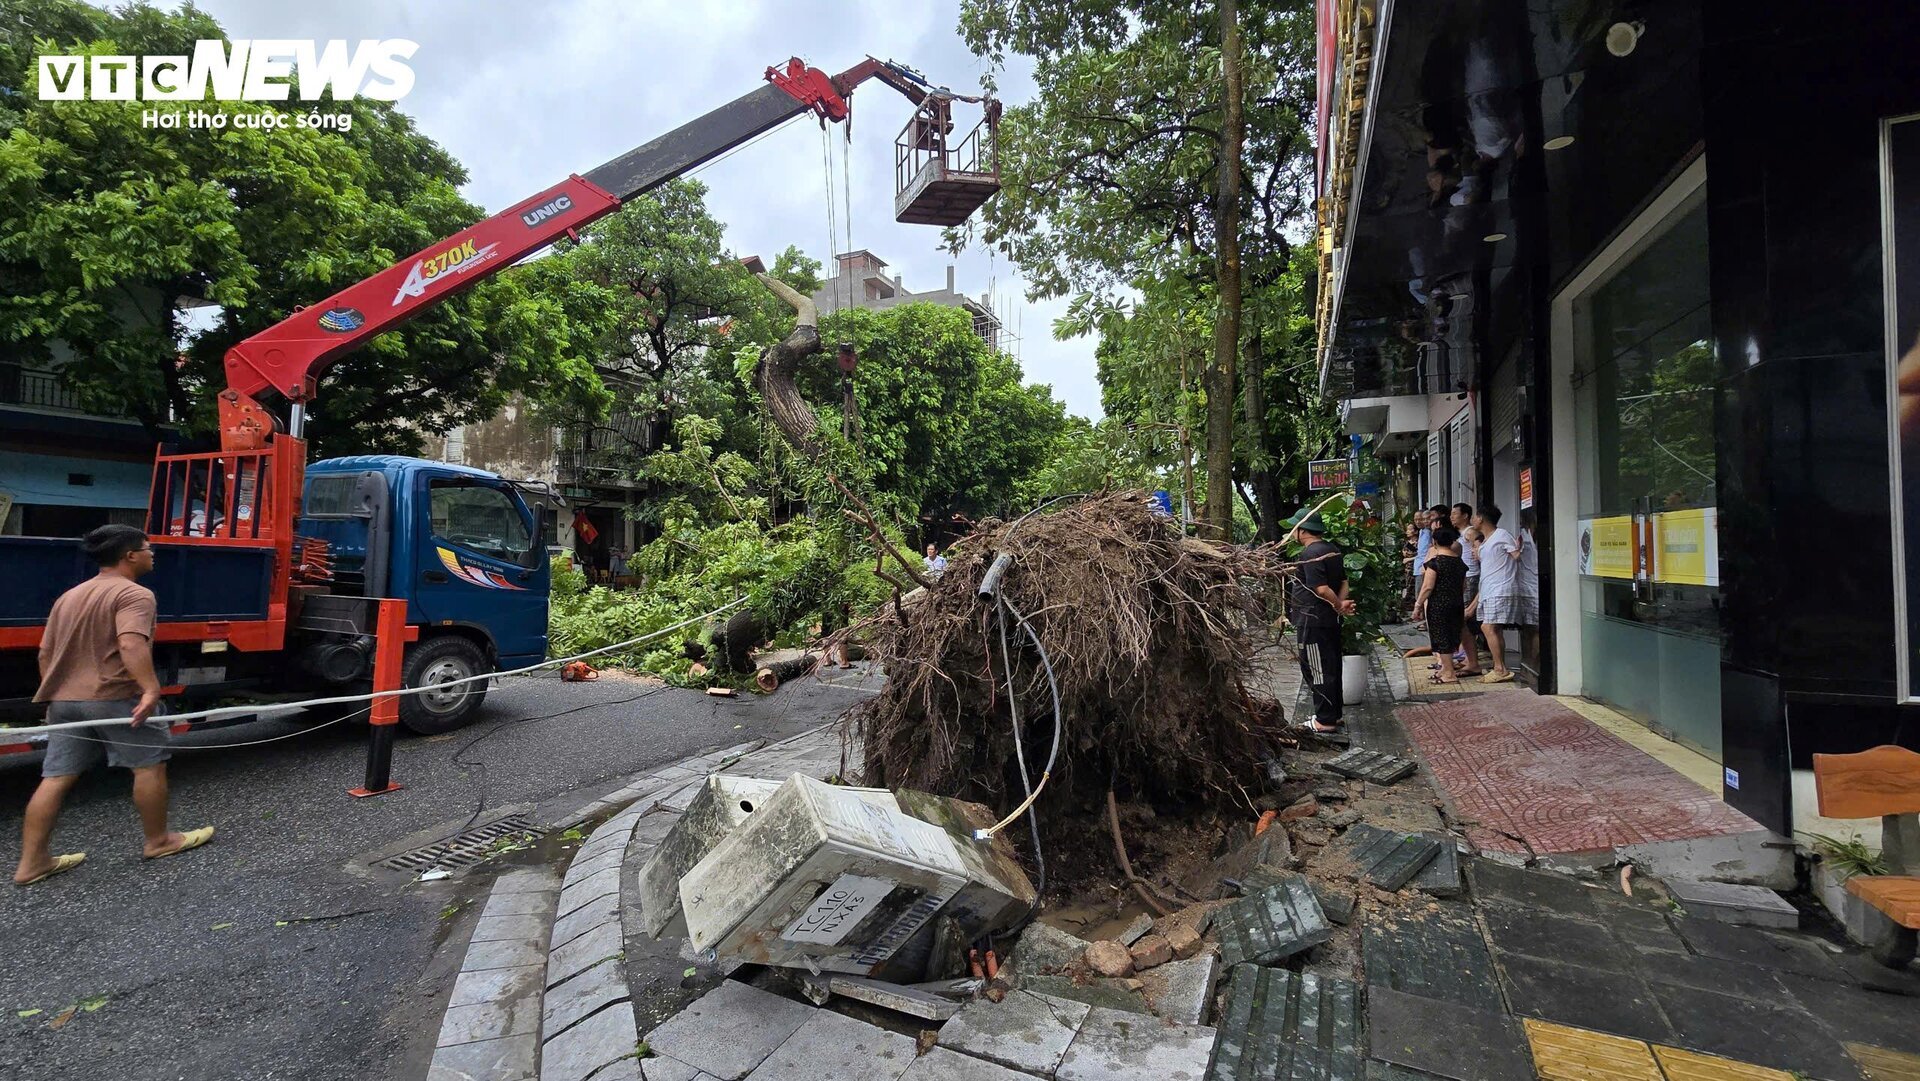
(1140, 926)
(1280, 1024)
(1098, 991)
(1271, 925)
(1386, 859)
(1044, 948)
(1438, 954)
(1445, 1039)
(837, 1046)
(1024, 1031)
(940, 1064)
(575, 1054)
(1441, 877)
(1114, 1046)
(729, 1030)
(1337, 904)
(893, 996)
(1754, 905)
(1180, 991)
(1375, 766)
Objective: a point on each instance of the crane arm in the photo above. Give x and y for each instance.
(287, 358)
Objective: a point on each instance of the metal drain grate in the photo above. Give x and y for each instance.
(466, 849)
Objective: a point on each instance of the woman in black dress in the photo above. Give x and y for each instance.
(1443, 599)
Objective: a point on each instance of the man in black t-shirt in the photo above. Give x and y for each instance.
(1316, 599)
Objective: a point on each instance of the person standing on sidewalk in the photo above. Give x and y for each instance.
(1468, 656)
(1317, 598)
(96, 662)
(1502, 600)
(1440, 602)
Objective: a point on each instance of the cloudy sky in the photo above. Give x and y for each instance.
(525, 93)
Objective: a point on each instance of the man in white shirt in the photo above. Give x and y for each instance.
(1503, 597)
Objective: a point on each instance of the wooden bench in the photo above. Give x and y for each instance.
(1884, 783)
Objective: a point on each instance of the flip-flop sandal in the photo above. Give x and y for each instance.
(1497, 677)
(61, 864)
(189, 840)
(1438, 682)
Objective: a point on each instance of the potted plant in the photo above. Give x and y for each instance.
(1372, 561)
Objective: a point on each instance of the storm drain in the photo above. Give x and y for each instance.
(470, 847)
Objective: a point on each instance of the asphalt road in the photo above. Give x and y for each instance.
(269, 954)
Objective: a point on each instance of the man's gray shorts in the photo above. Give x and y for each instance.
(73, 751)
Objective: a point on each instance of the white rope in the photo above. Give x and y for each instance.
(12, 734)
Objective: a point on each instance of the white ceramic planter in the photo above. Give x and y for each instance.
(1353, 679)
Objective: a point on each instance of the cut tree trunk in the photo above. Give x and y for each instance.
(782, 665)
(774, 375)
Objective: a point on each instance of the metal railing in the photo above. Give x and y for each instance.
(927, 138)
(21, 385)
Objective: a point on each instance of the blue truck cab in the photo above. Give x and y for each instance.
(462, 547)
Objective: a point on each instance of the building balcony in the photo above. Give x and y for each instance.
(37, 389)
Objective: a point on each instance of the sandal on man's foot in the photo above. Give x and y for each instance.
(189, 840)
(1438, 682)
(60, 864)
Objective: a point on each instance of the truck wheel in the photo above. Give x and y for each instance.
(435, 661)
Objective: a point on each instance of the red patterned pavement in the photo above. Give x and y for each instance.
(1532, 774)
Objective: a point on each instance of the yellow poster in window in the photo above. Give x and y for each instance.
(1687, 547)
(1606, 547)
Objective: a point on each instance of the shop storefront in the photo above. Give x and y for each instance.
(1646, 276)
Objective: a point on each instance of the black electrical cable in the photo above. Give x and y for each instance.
(480, 805)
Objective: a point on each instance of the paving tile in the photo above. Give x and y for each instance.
(582, 869)
(1563, 1053)
(494, 984)
(1753, 905)
(519, 904)
(1614, 1002)
(1387, 1071)
(487, 955)
(598, 911)
(1681, 1065)
(1554, 938)
(653, 828)
(1044, 948)
(1117, 1046)
(1740, 1028)
(1437, 955)
(1714, 974)
(1541, 890)
(1444, 1039)
(1786, 953)
(1271, 925)
(623, 1069)
(516, 1016)
(1336, 903)
(662, 1068)
(595, 885)
(1181, 991)
(584, 952)
(510, 928)
(1023, 1032)
(508, 1059)
(729, 1030)
(1539, 777)
(579, 997)
(1097, 991)
(1377, 767)
(1441, 877)
(833, 1045)
(1882, 1064)
(1281, 1024)
(940, 1064)
(1860, 1016)
(1387, 859)
(575, 1054)
(527, 880)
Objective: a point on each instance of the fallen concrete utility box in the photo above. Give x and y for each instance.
(719, 808)
(819, 878)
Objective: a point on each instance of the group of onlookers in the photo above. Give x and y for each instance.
(1468, 578)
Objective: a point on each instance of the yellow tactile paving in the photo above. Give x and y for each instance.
(1420, 682)
(1693, 1066)
(1884, 1065)
(1561, 1053)
(1685, 761)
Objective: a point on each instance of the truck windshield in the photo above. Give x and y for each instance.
(482, 519)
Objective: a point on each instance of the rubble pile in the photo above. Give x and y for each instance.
(1149, 638)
